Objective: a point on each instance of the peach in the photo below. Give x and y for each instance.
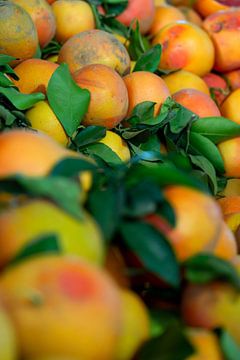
(191, 15)
(95, 47)
(140, 10)
(72, 17)
(233, 79)
(196, 101)
(223, 28)
(229, 107)
(229, 150)
(229, 204)
(185, 46)
(58, 306)
(34, 75)
(218, 86)
(117, 145)
(163, 16)
(109, 97)
(206, 344)
(183, 79)
(145, 86)
(208, 7)
(43, 18)
(226, 247)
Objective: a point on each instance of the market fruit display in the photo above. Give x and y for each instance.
(119, 180)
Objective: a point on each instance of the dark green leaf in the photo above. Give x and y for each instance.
(137, 45)
(68, 101)
(70, 167)
(216, 129)
(89, 135)
(150, 60)
(152, 248)
(206, 166)
(182, 118)
(104, 152)
(19, 100)
(4, 81)
(5, 59)
(7, 116)
(203, 268)
(230, 348)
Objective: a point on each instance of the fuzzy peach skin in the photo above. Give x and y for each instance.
(223, 28)
(163, 16)
(229, 107)
(230, 150)
(208, 7)
(183, 79)
(185, 46)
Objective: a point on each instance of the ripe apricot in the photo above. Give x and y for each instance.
(218, 87)
(196, 101)
(163, 16)
(229, 150)
(34, 75)
(95, 47)
(233, 79)
(140, 10)
(72, 17)
(206, 344)
(183, 79)
(62, 307)
(223, 28)
(145, 86)
(185, 46)
(109, 98)
(43, 18)
(198, 221)
(229, 204)
(226, 247)
(208, 7)
(229, 107)
(17, 25)
(117, 144)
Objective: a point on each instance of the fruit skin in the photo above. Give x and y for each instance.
(198, 221)
(218, 86)
(17, 25)
(72, 17)
(135, 325)
(229, 204)
(42, 118)
(233, 79)
(208, 7)
(8, 339)
(117, 144)
(34, 75)
(223, 28)
(229, 107)
(229, 150)
(95, 47)
(191, 15)
(205, 343)
(141, 10)
(163, 16)
(43, 18)
(198, 102)
(72, 299)
(185, 46)
(145, 86)
(226, 247)
(109, 98)
(20, 225)
(183, 79)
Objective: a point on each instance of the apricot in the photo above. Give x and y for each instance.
(163, 16)
(196, 101)
(185, 46)
(223, 28)
(8, 338)
(17, 25)
(61, 307)
(233, 79)
(226, 247)
(198, 221)
(140, 10)
(208, 7)
(229, 150)
(95, 47)
(229, 107)
(218, 87)
(191, 15)
(72, 17)
(229, 204)
(21, 224)
(145, 86)
(117, 145)
(109, 98)
(34, 75)
(206, 344)
(43, 18)
(183, 79)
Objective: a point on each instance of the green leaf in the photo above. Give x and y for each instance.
(207, 148)
(204, 164)
(230, 348)
(89, 135)
(4, 81)
(19, 100)
(43, 244)
(150, 60)
(6, 116)
(137, 45)
(173, 344)
(68, 101)
(216, 129)
(182, 118)
(204, 268)
(69, 167)
(105, 153)
(5, 59)
(153, 249)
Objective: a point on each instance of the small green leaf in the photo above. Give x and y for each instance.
(68, 101)
(69, 167)
(6, 59)
(201, 162)
(216, 129)
(230, 348)
(137, 44)
(4, 81)
(182, 118)
(19, 100)
(150, 60)
(6, 116)
(204, 268)
(153, 249)
(43, 244)
(105, 153)
(89, 135)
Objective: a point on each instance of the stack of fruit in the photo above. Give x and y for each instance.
(119, 180)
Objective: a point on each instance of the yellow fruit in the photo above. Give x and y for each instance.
(183, 79)
(135, 327)
(8, 341)
(205, 343)
(42, 118)
(117, 145)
